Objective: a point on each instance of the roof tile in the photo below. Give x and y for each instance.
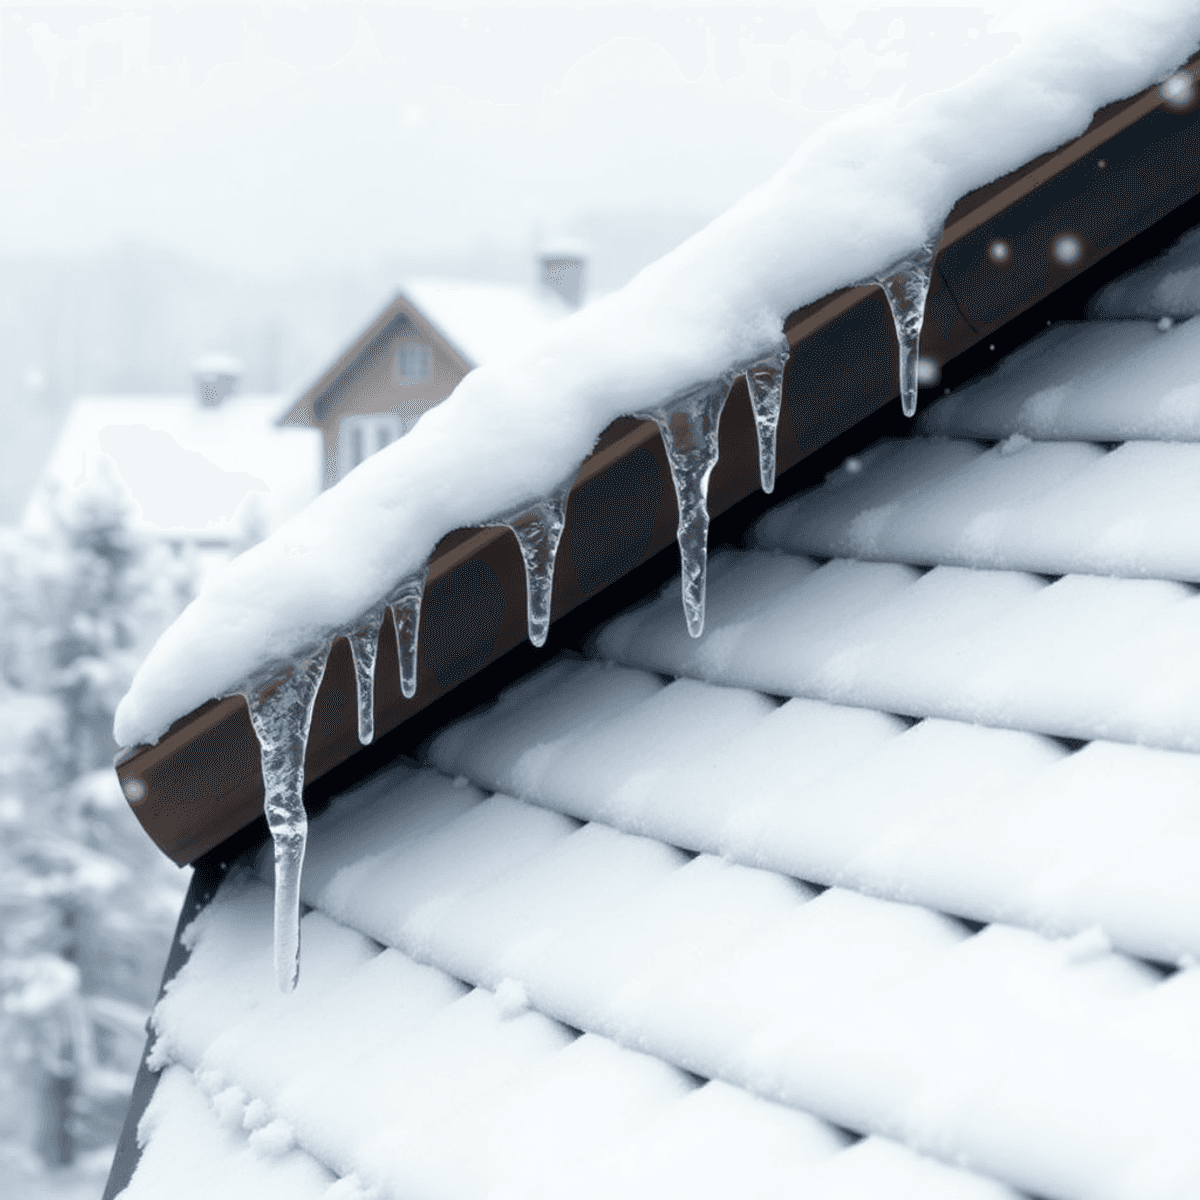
(695, 933)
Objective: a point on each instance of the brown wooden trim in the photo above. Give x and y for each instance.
(202, 779)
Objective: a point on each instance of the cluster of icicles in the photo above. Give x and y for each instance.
(281, 700)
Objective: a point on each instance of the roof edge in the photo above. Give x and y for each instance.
(475, 606)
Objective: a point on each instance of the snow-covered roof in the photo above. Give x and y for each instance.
(486, 322)
(194, 470)
(217, 362)
(885, 887)
(858, 199)
(1166, 288)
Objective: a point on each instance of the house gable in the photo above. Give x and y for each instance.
(368, 378)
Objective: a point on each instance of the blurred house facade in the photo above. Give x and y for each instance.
(415, 353)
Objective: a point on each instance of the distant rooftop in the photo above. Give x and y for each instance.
(191, 469)
(486, 321)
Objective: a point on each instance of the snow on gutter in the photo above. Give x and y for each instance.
(862, 196)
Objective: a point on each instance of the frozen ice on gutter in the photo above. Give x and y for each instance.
(538, 529)
(764, 382)
(281, 708)
(688, 425)
(405, 603)
(863, 199)
(906, 286)
(363, 640)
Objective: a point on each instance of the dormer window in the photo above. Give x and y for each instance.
(413, 362)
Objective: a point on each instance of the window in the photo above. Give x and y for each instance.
(413, 362)
(364, 434)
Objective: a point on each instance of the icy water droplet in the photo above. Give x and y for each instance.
(764, 379)
(405, 603)
(364, 649)
(906, 286)
(689, 425)
(538, 530)
(281, 708)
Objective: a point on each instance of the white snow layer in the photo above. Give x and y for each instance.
(195, 1149)
(1054, 1066)
(193, 471)
(413, 1082)
(486, 322)
(1102, 381)
(1169, 286)
(1082, 657)
(988, 824)
(862, 193)
(1048, 507)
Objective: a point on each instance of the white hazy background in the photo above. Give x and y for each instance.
(259, 179)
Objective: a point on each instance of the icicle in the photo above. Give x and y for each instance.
(538, 530)
(281, 708)
(364, 648)
(405, 603)
(906, 286)
(764, 380)
(689, 425)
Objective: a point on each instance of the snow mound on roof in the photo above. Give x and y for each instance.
(863, 192)
(486, 322)
(1168, 286)
(190, 468)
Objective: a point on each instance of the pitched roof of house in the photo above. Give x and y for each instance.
(191, 468)
(480, 322)
(486, 322)
(884, 887)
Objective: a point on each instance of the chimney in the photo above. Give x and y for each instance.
(562, 262)
(215, 377)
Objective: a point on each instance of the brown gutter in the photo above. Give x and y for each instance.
(1139, 160)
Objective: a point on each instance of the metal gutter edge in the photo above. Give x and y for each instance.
(1139, 160)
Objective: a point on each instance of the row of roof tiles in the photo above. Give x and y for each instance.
(699, 929)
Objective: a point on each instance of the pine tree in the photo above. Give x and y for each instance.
(87, 903)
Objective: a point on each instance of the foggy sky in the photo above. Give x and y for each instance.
(279, 137)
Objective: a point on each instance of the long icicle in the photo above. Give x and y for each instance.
(764, 381)
(906, 286)
(364, 650)
(281, 708)
(689, 425)
(405, 603)
(538, 530)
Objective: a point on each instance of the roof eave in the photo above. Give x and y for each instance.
(1142, 147)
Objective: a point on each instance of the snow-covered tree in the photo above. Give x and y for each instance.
(87, 903)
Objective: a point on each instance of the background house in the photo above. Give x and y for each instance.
(413, 355)
(212, 470)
